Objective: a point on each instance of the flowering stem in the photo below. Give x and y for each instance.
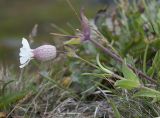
(120, 60)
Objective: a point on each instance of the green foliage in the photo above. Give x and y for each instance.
(7, 100)
(148, 92)
(131, 80)
(102, 67)
(128, 73)
(127, 84)
(73, 41)
(154, 69)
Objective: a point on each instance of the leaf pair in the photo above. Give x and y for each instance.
(131, 80)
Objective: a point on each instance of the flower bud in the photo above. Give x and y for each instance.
(45, 52)
(85, 27)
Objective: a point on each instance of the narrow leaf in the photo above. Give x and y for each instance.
(155, 64)
(147, 92)
(102, 67)
(73, 41)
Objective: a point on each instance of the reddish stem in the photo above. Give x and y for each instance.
(120, 60)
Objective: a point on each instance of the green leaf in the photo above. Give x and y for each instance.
(127, 84)
(155, 64)
(150, 71)
(102, 67)
(148, 92)
(73, 41)
(128, 73)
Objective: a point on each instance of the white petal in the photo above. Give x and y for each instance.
(21, 54)
(23, 65)
(23, 60)
(22, 50)
(25, 54)
(25, 43)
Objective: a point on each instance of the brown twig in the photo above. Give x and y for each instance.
(120, 60)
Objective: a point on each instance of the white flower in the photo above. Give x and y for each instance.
(42, 53)
(26, 53)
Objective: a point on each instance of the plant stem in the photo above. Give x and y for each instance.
(120, 60)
